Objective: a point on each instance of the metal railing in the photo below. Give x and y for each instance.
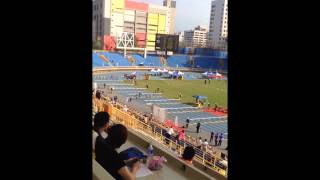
(155, 130)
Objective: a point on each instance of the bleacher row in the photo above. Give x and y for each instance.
(117, 59)
(199, 152)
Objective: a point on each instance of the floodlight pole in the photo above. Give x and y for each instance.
(145, 53)
(165, 48)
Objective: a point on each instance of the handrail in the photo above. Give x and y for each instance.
(130, 121)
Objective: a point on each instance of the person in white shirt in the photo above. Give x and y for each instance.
(205, 145)
(125, 108)
(100, 126)
(170, 131)
(199, 143)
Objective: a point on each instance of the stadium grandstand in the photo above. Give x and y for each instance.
(109, 75)
(151, 89)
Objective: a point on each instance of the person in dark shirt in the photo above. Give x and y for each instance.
(109, 158)
(211, 136)
(216, 139)
(198, 127)
(187, 122)
(188, 154)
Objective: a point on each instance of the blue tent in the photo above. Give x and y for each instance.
(199, 97)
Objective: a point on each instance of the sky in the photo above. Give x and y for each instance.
(190, 13)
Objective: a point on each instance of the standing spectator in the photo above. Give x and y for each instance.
(104, 85)
(216, 139)
(199, 143)
(127, 99)
(170, 131)
(146, 119)
(130, 99)
(205, 145)
(187, 122)
(220, 139)
(181, 135)
(198, 127)
(211, 136)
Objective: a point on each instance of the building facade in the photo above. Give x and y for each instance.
(113, 17)
(218, 29)
(196, 37)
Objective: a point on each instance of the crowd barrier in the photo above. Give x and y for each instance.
(157, 131)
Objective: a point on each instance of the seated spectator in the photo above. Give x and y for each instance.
(108, 157)
(100, 126)
(188, 154)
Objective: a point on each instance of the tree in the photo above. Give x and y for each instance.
(97, 44)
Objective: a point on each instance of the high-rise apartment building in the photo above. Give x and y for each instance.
(196, 37)
(218, 29)
(113, 17)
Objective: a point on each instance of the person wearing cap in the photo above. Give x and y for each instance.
(100, 126)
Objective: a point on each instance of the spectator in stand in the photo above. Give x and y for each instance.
(146, 119)
(211, 136)
(181, 136)
(169, 134)
(109, 158)
(100, 126)
(188, 154)
(187, 122)
(216, 139)
(220, 139)
(205, 145)
(170, 131)
(199, 143)
(125, 108)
